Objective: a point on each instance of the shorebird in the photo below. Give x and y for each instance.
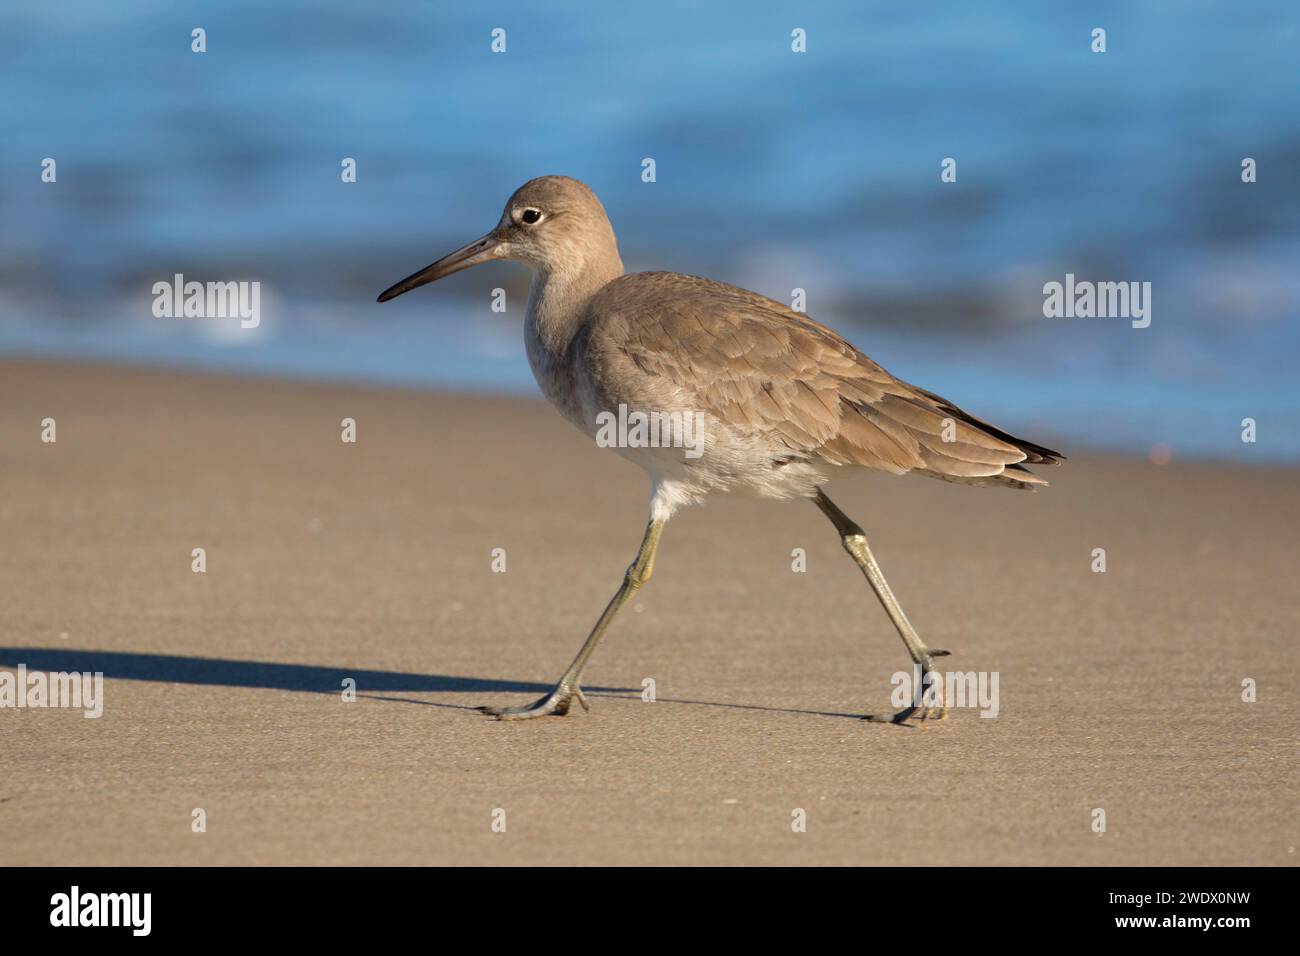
(787, 403)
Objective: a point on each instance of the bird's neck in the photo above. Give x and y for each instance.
(558, 298)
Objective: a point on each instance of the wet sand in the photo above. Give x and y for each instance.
(373, 561)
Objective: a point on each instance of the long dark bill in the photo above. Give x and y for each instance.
(480, 250)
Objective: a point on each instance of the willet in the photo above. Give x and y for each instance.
(787, 403)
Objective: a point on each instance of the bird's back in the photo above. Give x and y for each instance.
(679, 342)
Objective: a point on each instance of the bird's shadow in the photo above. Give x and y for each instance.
(308, 678)
(262, 675)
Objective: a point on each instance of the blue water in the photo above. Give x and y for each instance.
(775, 170)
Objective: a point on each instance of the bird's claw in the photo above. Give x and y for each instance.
(909, 714)
(554, 704)
(921, 710)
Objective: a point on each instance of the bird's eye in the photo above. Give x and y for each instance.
(530, 216)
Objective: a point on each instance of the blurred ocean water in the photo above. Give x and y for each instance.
(775, 171)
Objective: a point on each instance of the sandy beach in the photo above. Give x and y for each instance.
(223, 691)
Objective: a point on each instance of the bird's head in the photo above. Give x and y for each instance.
(553, 224)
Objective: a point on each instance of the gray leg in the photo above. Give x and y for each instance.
(854, 541)
(557, 701)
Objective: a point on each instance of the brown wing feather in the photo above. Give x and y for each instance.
(756, 363)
